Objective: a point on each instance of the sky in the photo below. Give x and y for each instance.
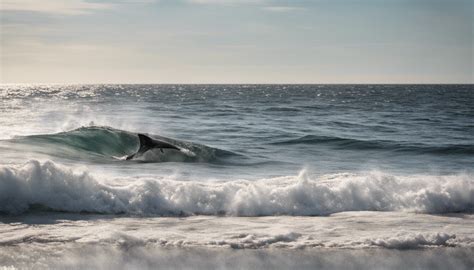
(229, 41)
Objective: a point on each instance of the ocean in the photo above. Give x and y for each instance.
(262, 177)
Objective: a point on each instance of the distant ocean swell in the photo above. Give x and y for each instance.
(349, 143)
(50, 187)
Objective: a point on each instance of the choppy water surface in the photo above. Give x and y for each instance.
(253, 151)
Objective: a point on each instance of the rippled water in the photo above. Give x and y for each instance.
(270, 161)
(278, 129)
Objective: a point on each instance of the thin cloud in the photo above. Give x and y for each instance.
(63, 7)
(282, 8)
(225, 2)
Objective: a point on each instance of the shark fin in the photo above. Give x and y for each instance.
(146, 143)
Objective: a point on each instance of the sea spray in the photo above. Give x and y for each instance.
(57, 188)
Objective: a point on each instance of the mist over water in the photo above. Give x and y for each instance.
(243, 153)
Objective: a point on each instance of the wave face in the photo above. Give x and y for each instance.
(106, 143)
(355, 144)
(47, 186)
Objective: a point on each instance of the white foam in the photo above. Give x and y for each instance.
(59, 188)
(355, 230)
(187, 152)
(413, 241)
(256, 241)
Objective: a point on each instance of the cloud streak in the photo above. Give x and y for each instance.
(225, 2)
(61, 7)
(282, 8)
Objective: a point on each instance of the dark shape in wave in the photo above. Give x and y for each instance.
(355, 144)
(282, 109)
(106, 143)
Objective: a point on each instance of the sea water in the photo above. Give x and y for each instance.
(267, 176)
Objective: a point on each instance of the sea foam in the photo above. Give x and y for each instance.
(48, 186)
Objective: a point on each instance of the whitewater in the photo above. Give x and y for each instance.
(263, 176)
(53, 188)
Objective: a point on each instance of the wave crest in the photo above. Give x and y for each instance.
(103, 143)
(48, 186)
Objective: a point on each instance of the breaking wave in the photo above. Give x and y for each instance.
(50, 187)
(102, 143)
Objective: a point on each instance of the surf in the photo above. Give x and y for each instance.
(48, 186)
(107, 144)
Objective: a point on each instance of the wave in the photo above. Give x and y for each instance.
(349, 143)
(282, 109)
(47, 186)
(109, 144)
(414, 241)
(400, 241)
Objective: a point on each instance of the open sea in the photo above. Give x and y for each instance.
(266, 177)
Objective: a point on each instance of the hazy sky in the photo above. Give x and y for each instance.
(229, 41)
